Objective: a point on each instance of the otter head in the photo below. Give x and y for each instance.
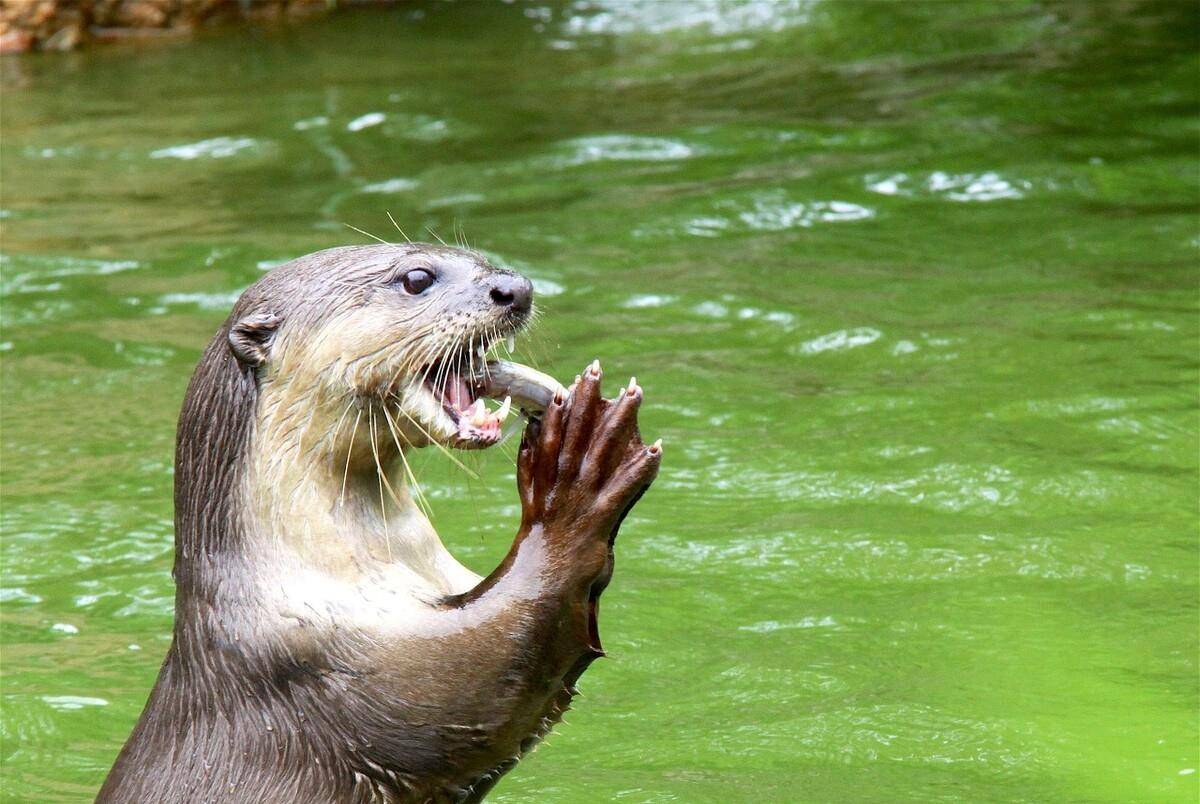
(398, 333)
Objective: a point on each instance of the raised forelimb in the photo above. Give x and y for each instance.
(511, 649)
(580, 469)
(465, 693)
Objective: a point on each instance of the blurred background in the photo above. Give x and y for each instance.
(911, 287)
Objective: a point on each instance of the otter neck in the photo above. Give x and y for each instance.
(332, 493)
(255, 490)
(331, 489)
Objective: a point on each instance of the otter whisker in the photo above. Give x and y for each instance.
(383, 474)
(430, 350)
(435, 443)
(418, 493)
(486, 339)
(460, 234)
(439, 361)
(422, 500)
(471, 354)
(398, 229)
(512, 456)
(437, 236)
(337, 428)
(382, 479)
(368, 234)
(501, 345)
(452, 358)
(426, 350)
(533, 338)
(443, 361)
(349, 452)
(458, 354)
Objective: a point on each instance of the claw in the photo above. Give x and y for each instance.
(656, 447)
(632, 389)
(594, 368)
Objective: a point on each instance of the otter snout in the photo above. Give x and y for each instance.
(513, 292)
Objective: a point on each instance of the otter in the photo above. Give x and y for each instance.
(327, 647)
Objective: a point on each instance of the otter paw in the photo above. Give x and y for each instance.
(583, 466)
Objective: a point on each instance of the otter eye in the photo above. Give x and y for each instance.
(417, 281)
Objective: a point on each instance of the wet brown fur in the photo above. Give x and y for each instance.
(397, 676)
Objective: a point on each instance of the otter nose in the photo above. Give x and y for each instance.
(513, 291)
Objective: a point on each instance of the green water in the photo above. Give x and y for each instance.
(912, 289)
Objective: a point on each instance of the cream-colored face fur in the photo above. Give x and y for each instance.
(396, 337)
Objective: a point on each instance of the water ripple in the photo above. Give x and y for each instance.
(986, 186)
(718, 17)
(624, 148)
(215, 148)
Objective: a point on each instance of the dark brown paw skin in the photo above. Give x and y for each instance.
(583, 466)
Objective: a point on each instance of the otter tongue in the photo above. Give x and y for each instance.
(456, 392)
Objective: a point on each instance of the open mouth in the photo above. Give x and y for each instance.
(461, 396)
(460, 387)
(457, 387)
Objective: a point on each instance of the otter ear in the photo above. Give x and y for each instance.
(250, 339)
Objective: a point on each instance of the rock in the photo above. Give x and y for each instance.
(67, 24)
(13, 41)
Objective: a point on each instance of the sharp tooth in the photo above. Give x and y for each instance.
(505, 407)
(511, 343)
(478, 413)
